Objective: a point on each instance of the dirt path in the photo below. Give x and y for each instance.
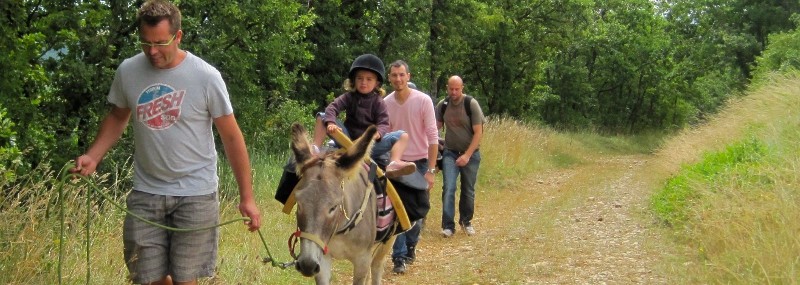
(585, 225)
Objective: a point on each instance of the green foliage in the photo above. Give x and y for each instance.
(782, 54)
(676, 200)
(260, 60)
(10, 155)
(617, 67)
(342, 31)
(277, 124)
(61, 56)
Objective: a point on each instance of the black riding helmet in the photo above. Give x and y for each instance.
(369, 62)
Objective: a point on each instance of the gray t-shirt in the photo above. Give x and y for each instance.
(172, 112)
(457, 125)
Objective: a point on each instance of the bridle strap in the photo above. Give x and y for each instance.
(297, 235)
(358, 215)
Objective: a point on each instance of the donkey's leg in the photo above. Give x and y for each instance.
(361, 267)
(324, 275)
(379, 259)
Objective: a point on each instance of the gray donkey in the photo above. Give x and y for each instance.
(336, 211)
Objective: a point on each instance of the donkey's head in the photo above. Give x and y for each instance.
(321, 194)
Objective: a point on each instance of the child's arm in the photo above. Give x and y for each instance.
(336, 107)
(382, 118)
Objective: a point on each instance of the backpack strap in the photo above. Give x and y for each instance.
(445, 102)
(467, 106)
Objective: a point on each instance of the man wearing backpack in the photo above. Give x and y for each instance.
(462, 119)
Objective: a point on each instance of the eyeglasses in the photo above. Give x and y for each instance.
(146, 44)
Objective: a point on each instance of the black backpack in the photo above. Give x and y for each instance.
(467, 106)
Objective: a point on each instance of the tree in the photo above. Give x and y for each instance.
(343, 30)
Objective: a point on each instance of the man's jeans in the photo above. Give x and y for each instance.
(466, 203)
(411, 236)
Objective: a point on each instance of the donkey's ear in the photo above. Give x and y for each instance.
(300, 146)
(360, 149)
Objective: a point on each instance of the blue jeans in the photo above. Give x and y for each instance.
(385, 145)
(466, 203)
(410, 237)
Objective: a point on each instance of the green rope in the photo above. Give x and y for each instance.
(93, 186)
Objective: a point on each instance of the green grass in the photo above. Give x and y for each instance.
(674, 202)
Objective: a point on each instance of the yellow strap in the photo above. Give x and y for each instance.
(287, 207)
(399, 209)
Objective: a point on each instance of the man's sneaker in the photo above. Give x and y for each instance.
(399, 266)
(447, 233)
(411, 255)
(399, 168)
(469, 230)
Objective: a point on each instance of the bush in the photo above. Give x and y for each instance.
(277, 125)
(10, 155)
(782, 54)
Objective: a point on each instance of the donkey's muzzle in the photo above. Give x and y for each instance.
(307, 267)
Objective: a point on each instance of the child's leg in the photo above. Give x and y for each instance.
(395, 144)
(387, 144)
(398, 148)
(319, 130)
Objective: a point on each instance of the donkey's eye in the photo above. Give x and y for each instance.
(333, 209)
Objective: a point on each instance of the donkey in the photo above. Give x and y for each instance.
(336, 215)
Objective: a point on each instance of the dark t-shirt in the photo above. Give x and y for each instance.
(361, 111)
(457, 125)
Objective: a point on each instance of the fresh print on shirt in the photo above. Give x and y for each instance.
(159, 106)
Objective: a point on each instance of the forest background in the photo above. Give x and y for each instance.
(614, 67)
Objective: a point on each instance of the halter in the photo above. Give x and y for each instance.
(349, 224)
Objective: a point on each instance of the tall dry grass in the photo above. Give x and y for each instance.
(30, 236)
(741, 226)
(511, 151)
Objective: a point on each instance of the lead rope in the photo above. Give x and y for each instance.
(64, 174)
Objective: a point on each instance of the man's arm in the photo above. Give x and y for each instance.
(432, 133)
(236, 152)
(111, 130)
(433, 153)
(477, 135)
(473, 145)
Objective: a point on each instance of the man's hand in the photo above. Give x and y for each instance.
(250, 210)
(430, 178)
(462, 160)
(85, 165)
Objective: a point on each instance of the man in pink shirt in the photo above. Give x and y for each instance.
(412, 111)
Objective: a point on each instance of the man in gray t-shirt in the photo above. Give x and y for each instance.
(173, 98)
(462, 120)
